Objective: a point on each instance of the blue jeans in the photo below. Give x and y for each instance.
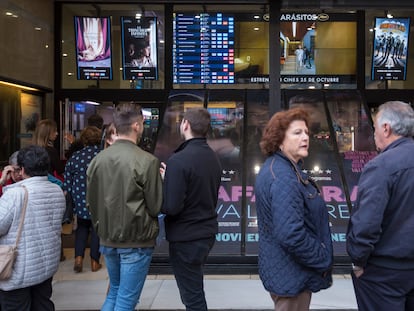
(127, 270)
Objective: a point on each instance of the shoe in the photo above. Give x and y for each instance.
(78, 264)
(95, 266)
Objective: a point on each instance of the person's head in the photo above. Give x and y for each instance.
(128, 120)
(195, 123)
(96, 120)
(90, 136)
(15, 174)
(45, 133)
(393, 120)
(287, 131)
(110, 135)
(33, 161)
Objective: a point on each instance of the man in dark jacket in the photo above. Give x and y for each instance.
(381, 228)
(191, 183)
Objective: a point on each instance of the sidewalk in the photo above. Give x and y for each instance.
(86, 291)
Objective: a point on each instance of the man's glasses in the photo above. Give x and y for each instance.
(17, 169)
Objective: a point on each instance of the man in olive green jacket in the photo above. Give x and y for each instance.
(124, 197)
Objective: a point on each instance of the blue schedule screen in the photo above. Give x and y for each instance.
(203, 50)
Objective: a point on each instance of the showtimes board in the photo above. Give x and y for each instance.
(203, 50)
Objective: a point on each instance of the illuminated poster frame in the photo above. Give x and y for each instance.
(330, 41)
(139, 48)
(93, 48)
(390, 48)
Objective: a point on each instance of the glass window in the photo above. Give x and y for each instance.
(125, 29)
(341, 142)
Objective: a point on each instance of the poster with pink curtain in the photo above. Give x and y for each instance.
(93, 48)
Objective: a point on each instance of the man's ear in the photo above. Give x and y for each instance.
(186, 124)
(387, 130)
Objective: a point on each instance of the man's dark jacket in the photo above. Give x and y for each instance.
(381, 228)
(190, 192)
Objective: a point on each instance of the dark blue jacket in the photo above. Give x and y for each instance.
(295, 248)
(190, 192)
(381, 228)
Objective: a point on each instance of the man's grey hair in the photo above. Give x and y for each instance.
(399, 115)
(13, 158)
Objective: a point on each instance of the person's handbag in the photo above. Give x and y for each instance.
(8, 253)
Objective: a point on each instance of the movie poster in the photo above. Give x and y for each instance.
(93, 48)
(139, 48)
(31, 109)
(390, 48)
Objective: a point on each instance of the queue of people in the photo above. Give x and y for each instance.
(119, 192)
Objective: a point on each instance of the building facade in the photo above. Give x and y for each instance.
(242, 60)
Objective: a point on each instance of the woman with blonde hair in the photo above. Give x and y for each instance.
(44, 136)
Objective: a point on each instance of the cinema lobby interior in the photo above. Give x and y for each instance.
(224, 56)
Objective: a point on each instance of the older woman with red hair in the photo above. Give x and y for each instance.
(295, 248)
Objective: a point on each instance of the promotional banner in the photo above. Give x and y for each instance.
(139, 48)
(93, 48)
(390, 48)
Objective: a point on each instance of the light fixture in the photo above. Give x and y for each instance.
(89, 102)
(294, 29)
(19, 86)
(9, 13)
(388, 14)
(38, 28)
(256, 28)
(256, 16)
(65, 55)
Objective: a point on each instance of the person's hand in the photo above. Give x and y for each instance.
(5, 175)
(358, 271)
(162, 169)
(69, 137)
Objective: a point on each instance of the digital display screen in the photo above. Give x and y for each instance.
(203, 50)
(390, 48)
(93, 48)
(318, 48)
(139, 48)
(80, 108)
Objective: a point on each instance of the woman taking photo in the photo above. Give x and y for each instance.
(295, 248)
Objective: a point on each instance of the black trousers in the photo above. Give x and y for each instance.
(81, 239)
(33, 298)
(382, 289)
(187, 260)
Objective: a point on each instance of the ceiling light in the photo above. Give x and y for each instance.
(38, 28)
(19, 86)
(256, 28)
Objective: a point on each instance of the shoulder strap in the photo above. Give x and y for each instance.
(19, 231)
